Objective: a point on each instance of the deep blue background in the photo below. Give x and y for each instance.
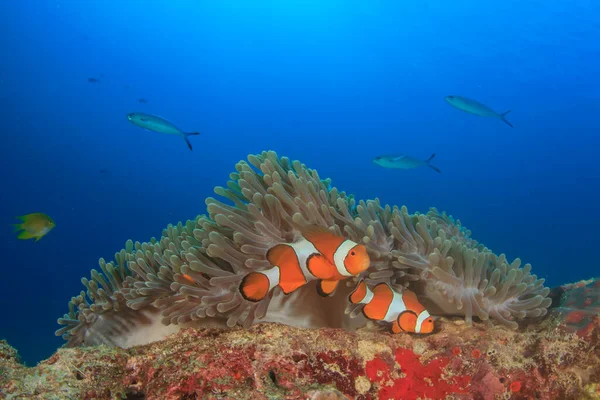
(332, 83)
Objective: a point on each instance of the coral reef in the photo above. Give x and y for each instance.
(275, 361)
(577, 307)
(191, 275)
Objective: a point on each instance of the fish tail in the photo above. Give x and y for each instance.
(25, 235)
(17, 227)
(255, 286)
(187, 141)
(504, 119)
(361, 294)
(428, 162)
(436, 169)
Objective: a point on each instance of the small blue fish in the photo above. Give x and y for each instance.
(404, 162)
(476, 108)
(158, 124)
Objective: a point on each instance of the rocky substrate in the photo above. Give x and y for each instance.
(272, 361)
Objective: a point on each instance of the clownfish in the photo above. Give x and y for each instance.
(319, 254)
(403, 310)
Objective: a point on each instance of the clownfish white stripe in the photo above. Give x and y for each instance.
(396, 307)
(422, 317)
(310, 258)
(273, 276)
(340, 256)
(368, 297)
(304, 249)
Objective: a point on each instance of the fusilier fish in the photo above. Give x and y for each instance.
(158, 124)
(404, 162)
(476, 108)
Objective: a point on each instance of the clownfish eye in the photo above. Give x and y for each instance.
(352, 253)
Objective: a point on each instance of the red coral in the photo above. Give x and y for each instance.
(416, 380)
(515, 386)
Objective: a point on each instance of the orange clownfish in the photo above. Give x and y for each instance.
(403, 310)
(319, 254)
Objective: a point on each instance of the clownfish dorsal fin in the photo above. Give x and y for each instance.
(411, 301)
(382, 289)
(315, 232)
(325, 241)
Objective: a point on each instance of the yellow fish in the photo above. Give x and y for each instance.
(34, 225)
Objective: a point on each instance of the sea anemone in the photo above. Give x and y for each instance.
(191, 275)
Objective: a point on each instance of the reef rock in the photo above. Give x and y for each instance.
(577, 307)
(274, 361)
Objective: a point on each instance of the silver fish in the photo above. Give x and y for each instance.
(476, 108)
(158, 124)
(404, 162)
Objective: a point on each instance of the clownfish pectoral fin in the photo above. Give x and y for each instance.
(327, 288)
(320, 267)
(407, 320)
(396, 327)
(255, 286)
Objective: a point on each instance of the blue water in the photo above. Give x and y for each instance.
(331, 83)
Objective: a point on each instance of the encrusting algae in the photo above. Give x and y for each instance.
(191, 276)
(274, 361)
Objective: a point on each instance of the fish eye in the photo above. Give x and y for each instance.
(353, 253)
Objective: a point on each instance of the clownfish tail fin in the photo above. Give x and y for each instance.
(360, 294)
(255, 286)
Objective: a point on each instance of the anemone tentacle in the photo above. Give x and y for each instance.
(192, 273)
